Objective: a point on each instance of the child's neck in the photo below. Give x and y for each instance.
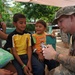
(40, 33)
(19, 31)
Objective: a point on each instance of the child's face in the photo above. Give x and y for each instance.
(39, 28)
(20, 25)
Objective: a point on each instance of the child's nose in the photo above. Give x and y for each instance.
(24, 24)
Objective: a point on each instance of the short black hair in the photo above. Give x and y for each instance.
(17, 16)
(42, 22)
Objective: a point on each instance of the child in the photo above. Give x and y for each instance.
(20, 43)
(40, 40)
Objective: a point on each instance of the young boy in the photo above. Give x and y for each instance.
(20, 43)
(40, 40)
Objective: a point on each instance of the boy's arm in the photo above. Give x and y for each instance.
(17, 56)
(29, 58)
(5, 72)
(29, 51)
(4, 27)
(3, 35)
(24, 67)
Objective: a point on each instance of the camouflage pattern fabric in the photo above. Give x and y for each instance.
(61, 71)
(67, 67)
(69, 10)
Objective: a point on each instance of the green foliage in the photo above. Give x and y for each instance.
(9, 24)
(30, 27)
(4, 10)
(1, 6)
(36, 11)
(33, 12)
(17, 8)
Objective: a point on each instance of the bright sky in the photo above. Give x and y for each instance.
(10, 2)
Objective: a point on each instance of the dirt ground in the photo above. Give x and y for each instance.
(61, 49)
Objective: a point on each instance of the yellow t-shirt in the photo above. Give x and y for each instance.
(21, 43)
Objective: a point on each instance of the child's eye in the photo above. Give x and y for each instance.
(40, 26)
(36, 26)
(21, 22)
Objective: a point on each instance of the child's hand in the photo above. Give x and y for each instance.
(5, 72)
(29, 66)
(40, 57)
(26, 70)
(30, 74)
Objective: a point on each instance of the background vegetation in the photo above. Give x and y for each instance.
(33, 12)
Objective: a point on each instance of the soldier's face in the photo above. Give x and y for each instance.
(65, 23)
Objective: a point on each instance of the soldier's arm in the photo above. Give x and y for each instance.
(3, 35)
(67, 61)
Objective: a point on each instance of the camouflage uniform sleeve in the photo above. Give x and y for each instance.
(67, 61)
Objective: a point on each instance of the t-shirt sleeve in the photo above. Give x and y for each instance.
(32, 41)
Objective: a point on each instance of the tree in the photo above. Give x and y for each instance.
(33, 12)
(4, 10)
(36, 11)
